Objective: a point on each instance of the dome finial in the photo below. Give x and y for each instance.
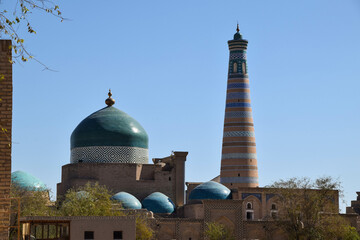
(110, 101)
(237, 35)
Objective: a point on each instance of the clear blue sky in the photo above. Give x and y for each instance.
(166, 63)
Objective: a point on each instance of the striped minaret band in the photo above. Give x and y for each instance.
(238, 160)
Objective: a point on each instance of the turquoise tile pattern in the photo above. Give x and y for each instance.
(210, 190)
(158, 202)
(109, 135)
(127, 200)
(27, 181)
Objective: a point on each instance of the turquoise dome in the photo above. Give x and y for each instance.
(127, 200)
(158, 202)
(109, 136)
(27, 181)
(210, 190)
(109, 127)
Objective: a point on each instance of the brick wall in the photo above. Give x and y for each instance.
(5, 137)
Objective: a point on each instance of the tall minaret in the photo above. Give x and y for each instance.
(238, 161)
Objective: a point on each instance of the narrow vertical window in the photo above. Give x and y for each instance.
(235, 67)
(244, 68)
(249, 211)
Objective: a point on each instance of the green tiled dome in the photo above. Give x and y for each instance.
(27, 181)
(109, 127)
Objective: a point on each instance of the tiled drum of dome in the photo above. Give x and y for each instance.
(108, 154)
(238, 161)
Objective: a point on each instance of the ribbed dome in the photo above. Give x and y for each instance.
(27, 181)
(127, 200)
(210, 190)
(158, 203)
(109, 135)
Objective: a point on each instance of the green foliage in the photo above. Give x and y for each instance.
(143, 230)
(216, 231)
(32, 202)
(88, 200)
(350, 233)
(309, 209)
(11, 22)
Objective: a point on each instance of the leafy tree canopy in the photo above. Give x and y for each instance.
(216, 231)
(32, 201)
(309, 209)
(88, 200)
(143, 230)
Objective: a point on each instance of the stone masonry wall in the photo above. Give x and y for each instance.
(5, 137)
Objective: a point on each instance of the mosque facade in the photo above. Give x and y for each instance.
(111, 148)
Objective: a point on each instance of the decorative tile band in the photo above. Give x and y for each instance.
(269, 195)
(238, 104)
(236, 170)
(238, 114)
(239, 134)
(240, 95)
(240, 142)
(238, 124)
(108, 154)
(237, 55)
(239, 165)
(247, 146)
(239, 180)
(238, 75)
(245, 195)
(238, 85)
(238, 156)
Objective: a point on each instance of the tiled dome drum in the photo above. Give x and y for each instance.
(109, 135)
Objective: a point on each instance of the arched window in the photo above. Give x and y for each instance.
(244, 68)
(235, 67)
(249, 211)
(273, 211)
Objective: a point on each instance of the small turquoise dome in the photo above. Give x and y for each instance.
(109, 127)
(158, 202)
(27, 181)
(127, 200)
(210, 190)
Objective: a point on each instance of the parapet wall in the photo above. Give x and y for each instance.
(166, 175)
(138, 179)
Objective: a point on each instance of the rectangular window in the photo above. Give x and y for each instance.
(249, 215)
(88, 235)
(118, 235)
